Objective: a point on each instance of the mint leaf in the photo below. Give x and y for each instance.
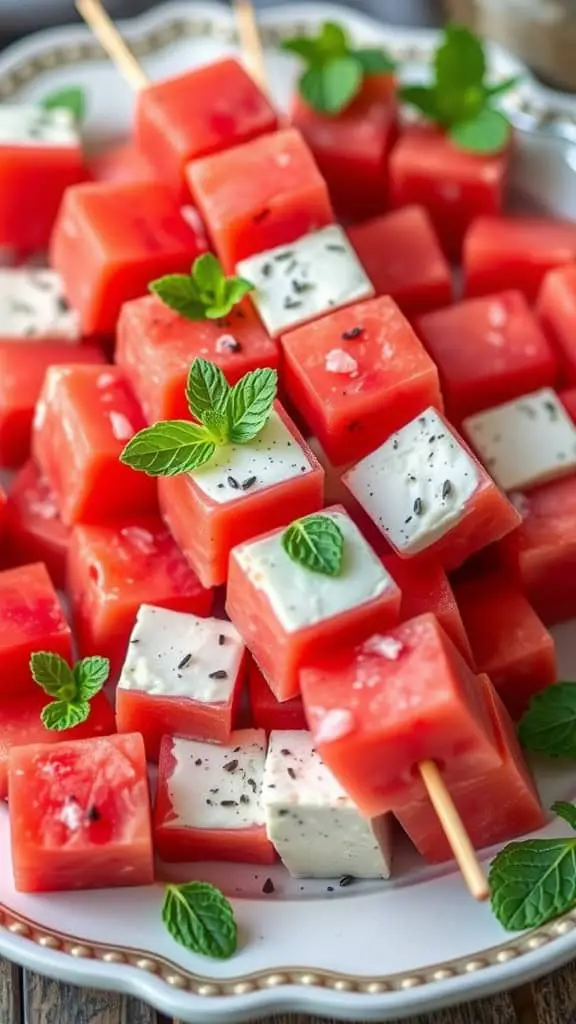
(73, 99)
(204, 294)
(90, 674)
(64, 714)
(504, 86)
(423, 97)
(169, 448)
(332, 41)
(487, 132)
(53, 674)
(317, 543)
(459, 61)
(549, 724)
(373, 61)
(218, 426)
(250, 403)
(332, 86)
(303, 46)
(178, 292)
(200, 918)
(235, 289)
(566, 811)
(533, 881)
(206, 388)
(207, 273)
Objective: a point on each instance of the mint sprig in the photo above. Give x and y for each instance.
(459, 97)
(533, 881)
(317, 543)
(72, 98)
(200, 918)
(224, 415)
(72, 688)
(206, 293)
(549, 724)
(335, 69)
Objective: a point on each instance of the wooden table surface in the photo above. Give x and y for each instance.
(27, 998)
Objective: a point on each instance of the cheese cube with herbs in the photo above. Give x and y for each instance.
(182, 676)
(315, 828)
(426, 492)
(526, 442)
(357, 375)
(305, 280)
(33, 307)
(244, 490)
(286, 607)
(209, 800)
(40, 157)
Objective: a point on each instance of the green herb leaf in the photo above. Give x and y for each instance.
(566, 811)
(302, 46)
(65, 714)
(317, 543)
(204, 294)
(332, 86)
(423, 97)
(169, 448)
(201, 919)
(178, 292)
(73, 99)
(504, 86)
(53, 674)
(487, 132)
(90, 674)
(332, 40)
(235, 290)
(459, 61)
(207, 273)
(218, 426)
(549, 724)
(250, 403)
(206, 388)
(373, 61)
(533, 881)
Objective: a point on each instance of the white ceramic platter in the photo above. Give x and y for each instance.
(374, 950)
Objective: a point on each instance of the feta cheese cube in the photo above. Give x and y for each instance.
(300, 598)
(36, 126)
(316, 829)
(525, 442)
(213, 787)
(417, 484)
(314, 275)
(33, 307)
(175, 654)
(236, 469)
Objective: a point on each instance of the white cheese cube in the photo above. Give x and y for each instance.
(238, 470)
(176, 654)
(300, 598)
(213, 787)
(316, 829)
(33, 306)
(417, 484)
(35, 126)
(310, 277)
(524, 442)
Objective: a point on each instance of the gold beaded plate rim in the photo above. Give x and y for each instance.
(531, 108)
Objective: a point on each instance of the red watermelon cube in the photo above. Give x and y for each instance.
(515, 252)
(34, 526)
(556, 309)
(267, 711)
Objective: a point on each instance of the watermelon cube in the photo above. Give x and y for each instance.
(284, 612)
(80, 815)
(84, 417)
(525, 442)
(156, 348)
(509, 641)
(487, 350)
(120, 162)
(34, 528)
(495, 805)
(352, 148)
(182, 675)
(267, 712)
(209, 800)
(262, 194)
(203, 111)
(358, 375)
(455, 186)
(111, 239)
(376, 710)
(21, 725)
(568, 399)
(401, 254)
(438, 499)
(33, 307)
(40, 157)
(556, 309)
(515, 252)
(31, 619)
(243, 491)
(114, 569)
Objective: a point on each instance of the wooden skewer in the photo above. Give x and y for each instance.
(456, 834)
(101, 24)
(250, 41)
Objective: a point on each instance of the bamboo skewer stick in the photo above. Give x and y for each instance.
(99, 21)
(250, 41)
